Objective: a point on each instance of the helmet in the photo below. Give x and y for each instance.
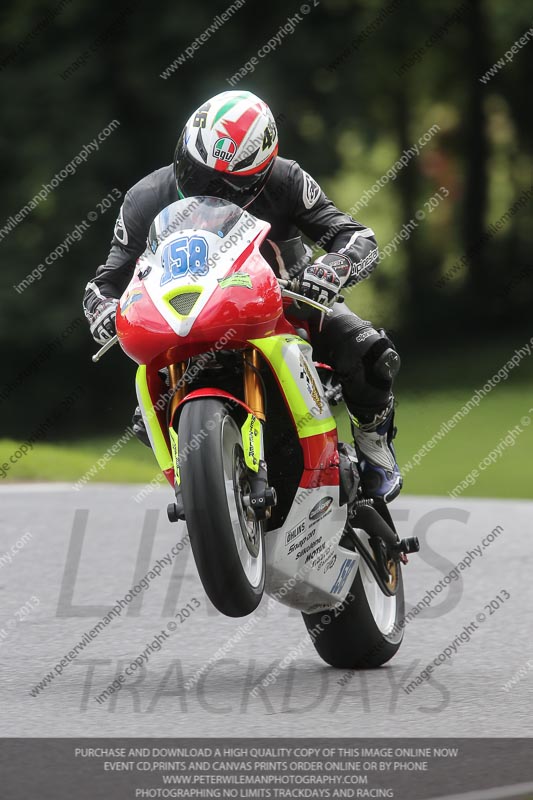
(227, 149)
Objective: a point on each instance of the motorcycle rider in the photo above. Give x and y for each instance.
(229, 149)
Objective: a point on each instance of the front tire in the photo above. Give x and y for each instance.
(365, 631)
(227, 543)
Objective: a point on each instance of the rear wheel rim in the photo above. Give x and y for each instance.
(382, 607)
(247, 531)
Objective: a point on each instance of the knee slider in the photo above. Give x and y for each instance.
(388, 364)
(382, 363)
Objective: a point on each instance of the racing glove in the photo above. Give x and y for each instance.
(323, 280)
(102, 320)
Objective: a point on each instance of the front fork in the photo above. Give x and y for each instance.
(262, 496)
(178, 386)
(253, 388)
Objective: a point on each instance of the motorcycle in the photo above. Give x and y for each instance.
(239, 418)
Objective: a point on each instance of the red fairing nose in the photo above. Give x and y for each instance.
(143, 331)
(245, 300)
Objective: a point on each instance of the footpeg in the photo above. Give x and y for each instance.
(175, 512)
(411, 545)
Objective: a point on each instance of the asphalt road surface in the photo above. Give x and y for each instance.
(86, 549)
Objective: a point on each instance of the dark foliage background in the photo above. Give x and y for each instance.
(348, 115)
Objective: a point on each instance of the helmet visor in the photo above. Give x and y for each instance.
(194, 179)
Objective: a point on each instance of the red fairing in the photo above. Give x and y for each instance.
(214, 393)
(169, 475)
(321, 460)
(249, 313)
(160, 395)
(311, 478)
(142, 330)
(234, 313)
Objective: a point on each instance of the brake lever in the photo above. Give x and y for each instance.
(302, 299)
(103, 350)
(307, 301)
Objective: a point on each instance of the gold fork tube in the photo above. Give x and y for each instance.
(176, 373)
(253, 388)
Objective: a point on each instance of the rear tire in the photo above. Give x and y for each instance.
(227, 544)
(366, 631)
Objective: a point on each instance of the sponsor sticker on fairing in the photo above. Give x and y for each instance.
(315, 553)
(132, 297)
(309, 547)
(312, 388)
(330, 563)
(342, 577)
(295, 532)
(321, 509)
(326, 561)
(237, 279)
(299, 543)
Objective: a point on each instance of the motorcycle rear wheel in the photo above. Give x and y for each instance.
(363, 632)
(227, 542)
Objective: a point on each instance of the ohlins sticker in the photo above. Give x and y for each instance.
(295, 532)
(237, 279)
(312, 388)
(299, 544)
(320, 509)
(225, 149)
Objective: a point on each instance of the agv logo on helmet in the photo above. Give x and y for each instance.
(225, 149)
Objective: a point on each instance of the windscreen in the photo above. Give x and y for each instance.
(194, 213)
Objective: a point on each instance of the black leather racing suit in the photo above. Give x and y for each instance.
(293, 203)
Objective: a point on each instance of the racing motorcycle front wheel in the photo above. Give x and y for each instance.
(226, 538)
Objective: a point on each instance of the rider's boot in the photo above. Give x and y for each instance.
(373, 435)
